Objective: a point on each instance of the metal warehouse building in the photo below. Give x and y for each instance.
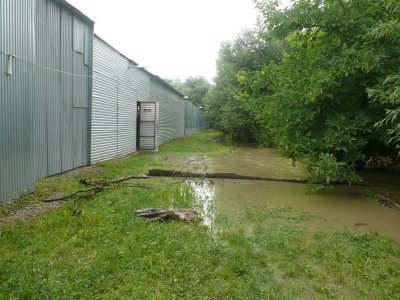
(45, 91)
(68, 98)
(133, 108)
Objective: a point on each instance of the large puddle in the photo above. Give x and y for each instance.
(343, 207)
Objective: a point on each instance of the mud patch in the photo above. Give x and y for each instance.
(29, 211)
(81, 172)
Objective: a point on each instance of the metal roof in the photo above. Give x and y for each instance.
(166, 84)
(155, 77)
(74, 10)
(130, 60)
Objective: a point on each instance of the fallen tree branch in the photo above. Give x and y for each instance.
(108, 182)
(174, 173)
(90, 192)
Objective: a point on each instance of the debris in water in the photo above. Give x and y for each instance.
(157, 214)
(385, 200)
(361, 224)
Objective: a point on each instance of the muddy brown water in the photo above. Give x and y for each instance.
(342, 207)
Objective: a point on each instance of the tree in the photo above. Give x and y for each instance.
(224, 109)
(195, 88)
(388, 93)
(317, 102)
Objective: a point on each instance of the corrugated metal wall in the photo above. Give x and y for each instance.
(118, 84)
(194, 118)
(16, 120)
(114, 102)
(203, 124)
(61, 128)
(171, 122)
(45, 103)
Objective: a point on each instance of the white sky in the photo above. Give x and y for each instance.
(171, 38)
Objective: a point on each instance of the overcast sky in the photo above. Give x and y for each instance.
(174, 38)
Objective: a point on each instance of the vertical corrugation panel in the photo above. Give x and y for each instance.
(127, 113)
(104, 117)
(81, 93)
(61, 95)
(104, 143)
(66, 134)
(196, 122)
(79, 35)
(172, 112)
(16, 37)
(114, 103)
(40, 93)
(37, 123)
(189, 118)
(52, 88)
(202, 120)
(194, 118)
(142, 84)
(180, 120)
(80, 112)
(80, 136)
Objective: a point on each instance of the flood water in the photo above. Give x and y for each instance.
(342, 207)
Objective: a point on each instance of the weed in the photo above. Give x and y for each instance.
(370, 195)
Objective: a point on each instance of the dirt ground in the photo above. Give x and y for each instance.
(29, 211)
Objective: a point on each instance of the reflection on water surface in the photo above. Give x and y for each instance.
(341, 207)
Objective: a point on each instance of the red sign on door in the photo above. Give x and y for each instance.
(147, 109)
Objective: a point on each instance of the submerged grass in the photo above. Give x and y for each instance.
(109, 254)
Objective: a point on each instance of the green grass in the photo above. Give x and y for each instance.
(209, 142)
(110, 254)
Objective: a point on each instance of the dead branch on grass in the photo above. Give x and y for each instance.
(109, 182)
(89, 192)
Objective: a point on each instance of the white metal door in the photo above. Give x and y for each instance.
(147, 125)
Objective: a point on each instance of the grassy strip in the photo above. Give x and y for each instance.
(207, 142)
(109, 254)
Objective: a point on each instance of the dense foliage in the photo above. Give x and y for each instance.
(224, 111)
(195, 88)
(333, 100)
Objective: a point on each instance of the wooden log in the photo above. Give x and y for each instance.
(174, 173)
